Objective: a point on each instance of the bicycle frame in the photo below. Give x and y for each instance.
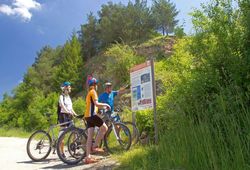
(52, 126)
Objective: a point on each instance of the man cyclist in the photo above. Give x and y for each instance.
(109, 95)
(93, 120)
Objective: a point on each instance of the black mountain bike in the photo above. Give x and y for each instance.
(117, 139)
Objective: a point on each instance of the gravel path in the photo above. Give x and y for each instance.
(13, 156)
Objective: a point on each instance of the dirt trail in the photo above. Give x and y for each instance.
(13, 156)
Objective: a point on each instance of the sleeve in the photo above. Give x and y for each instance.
(115, 93)
(61, 102)
(93, 95)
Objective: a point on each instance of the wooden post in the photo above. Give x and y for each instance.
(154, 99)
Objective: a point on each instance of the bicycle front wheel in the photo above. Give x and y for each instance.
(39, 145)
(134, 132)
(71, 145)
(117, 138)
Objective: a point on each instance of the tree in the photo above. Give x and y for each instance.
(88, 36)
(139, 22)
(111, 23)
(71, 67)
(164, 13)
(179, 32)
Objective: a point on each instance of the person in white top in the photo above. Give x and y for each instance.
(65, 103)
(66, 111)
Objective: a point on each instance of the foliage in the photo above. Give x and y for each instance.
(79, 106)
(14, 132)
(43, 69)
(119, 59)
(179, 32)
(133, 23)
(71, 66)
(206, 103)
(203, 103)
(164, 13)
(88, 36)
(145, 122)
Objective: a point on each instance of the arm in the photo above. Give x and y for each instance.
(74, 113)
(123, 90)
(98, 104)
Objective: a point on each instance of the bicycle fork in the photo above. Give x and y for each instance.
(114, 130)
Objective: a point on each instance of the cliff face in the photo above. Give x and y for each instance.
(162, 45)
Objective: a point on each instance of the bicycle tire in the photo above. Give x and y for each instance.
(39, 145)
(121, 144)
(69, 155)
(135, 135)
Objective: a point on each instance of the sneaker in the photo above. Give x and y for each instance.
(63, 155)
(97, 150)
(90, 160)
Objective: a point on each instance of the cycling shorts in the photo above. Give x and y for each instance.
(94, 121)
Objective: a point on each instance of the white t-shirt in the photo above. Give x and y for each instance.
(66, 102)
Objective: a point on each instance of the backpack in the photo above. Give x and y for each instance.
(59, 109)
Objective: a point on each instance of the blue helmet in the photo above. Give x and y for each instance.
(92, 81)
(66, 83)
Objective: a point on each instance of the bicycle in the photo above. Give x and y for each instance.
(76, 138)
(40, 143)
(135, 134)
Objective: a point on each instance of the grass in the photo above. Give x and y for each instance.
(157, 41)
(14, 132)
(220, 143)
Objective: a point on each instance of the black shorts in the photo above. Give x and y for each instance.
(64, 117)
(94, 121)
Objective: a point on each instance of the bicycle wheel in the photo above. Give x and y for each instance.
(71, 145)
(134, 132)
(39, 145)
(123, 140)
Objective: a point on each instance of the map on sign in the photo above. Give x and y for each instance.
(141, 86)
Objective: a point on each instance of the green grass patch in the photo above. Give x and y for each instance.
(14, 132)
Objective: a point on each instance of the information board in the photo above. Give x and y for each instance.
(141, 86)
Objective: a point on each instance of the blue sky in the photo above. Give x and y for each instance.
(28, 25)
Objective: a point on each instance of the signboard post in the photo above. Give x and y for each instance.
(143, 95)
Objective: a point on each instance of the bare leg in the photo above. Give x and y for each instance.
(62, 143)
(102, 130)
(89, 141)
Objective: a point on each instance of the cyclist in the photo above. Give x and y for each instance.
(93, 120)
(109, 95)
(66, 111)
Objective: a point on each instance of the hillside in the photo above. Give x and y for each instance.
(203, 85)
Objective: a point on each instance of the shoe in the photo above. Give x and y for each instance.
(63, 155)
(97, 150)
(90, 160)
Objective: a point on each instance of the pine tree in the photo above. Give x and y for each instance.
(71, 67)
(164, 13)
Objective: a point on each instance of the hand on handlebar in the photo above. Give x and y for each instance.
(108, 107)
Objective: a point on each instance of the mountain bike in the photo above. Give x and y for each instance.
(117, 139)
(40, 143)
(135, 134)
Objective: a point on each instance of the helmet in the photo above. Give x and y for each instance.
(92, 81)
(65, 84)
(108, 84)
